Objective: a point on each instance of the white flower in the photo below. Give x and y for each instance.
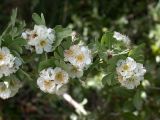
(126, 67)
(46, 81)
(8, 63)
(74, 72)
(118, 36)
(15, 85)
(51, 80)
(5, 56)
(130, 73)
(79, 56)
(41, 39)
(70, 54)
(9, 89)
(5, 92)
(60, 76)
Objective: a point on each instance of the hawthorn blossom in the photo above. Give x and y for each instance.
(51, 80)
(130, 73)
(8, 63)
(118, 36)
(40, 38)
(9, 89)
(79, 56)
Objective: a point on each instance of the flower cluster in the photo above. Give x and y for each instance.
(9, 89)
(130, 73)
(79, 58)
(118, 36)
(40, 38)
(51, 80)
(8, 63)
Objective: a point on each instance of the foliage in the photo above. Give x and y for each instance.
(99, 85)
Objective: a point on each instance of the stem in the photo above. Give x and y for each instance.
(4, 32)
(46, 56)
(121, 53)
(74, 103)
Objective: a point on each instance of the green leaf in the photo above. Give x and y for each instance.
(112, 62)
(37, 19)
(137, 100)
(61, 51)
(18, 41)
(109, 79)
(137, 53)
(61, 33)
(20, 71)
(16, 48)
(67, 43)
(107, 40)
(45, 64)
(61, 63)
(15, 44)
(43, 19)
(7, 39)
(15, 53)
(13, 17)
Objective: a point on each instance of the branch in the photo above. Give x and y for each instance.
(79, 107)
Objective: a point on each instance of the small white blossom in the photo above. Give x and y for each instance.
(51, 80)
(5, 92)
(9, 89)
(60, 76)
(79, 56)
(118, 36)
(130, 73)
(8, 63)
(126, 67)
(74, 72)
(40, 38)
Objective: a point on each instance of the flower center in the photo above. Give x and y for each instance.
(48, 83)
(59, 76)
(74, 69)
(125, 67)
(80, 57)
(1, 56)
(43, 43)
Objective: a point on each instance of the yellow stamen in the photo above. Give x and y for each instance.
(80, 58)
(43, 43)
(59, 76)
(125, 67)
(48, 83)
(74, 69)
(1, 56)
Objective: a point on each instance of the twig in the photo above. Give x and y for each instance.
(121, 53)
(154, 88)
(75, 104)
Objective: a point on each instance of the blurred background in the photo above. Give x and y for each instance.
(139, 19)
